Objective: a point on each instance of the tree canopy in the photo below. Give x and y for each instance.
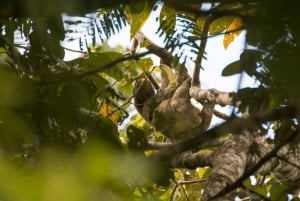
(69, 130)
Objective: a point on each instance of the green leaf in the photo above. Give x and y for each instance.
(248, 63)
(96, 60)
(102, 130)
(167, 19)
(98, 85)
(249, 60)
(260, 190)
(283, 64)
(70, 96)
(162, 174)
(256, 98)
(201, 171)
(247, 183)
(138, 19)
(137, 138)
(277, 191)
(145, 64)
(137, 7)
(231, 69)
(220, 25)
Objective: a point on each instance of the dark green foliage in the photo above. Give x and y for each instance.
(167, 20)
(59, 134)
(247, 63)
(178, 31)
(137, 139)
(276, 36)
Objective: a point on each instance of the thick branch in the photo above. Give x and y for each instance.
(215, 96)
(257, 166)
(221, 115)
(240, 11)
(165, 145)
(192, 161)
(155, 49)
(235, 161)
(198, 63)
(229, 163)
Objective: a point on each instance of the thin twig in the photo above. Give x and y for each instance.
(180, 183)
(221, 115)
(237, 11)
(193, 181)
(76, 51)
(173, 191)
(287, 161)
(255, 193)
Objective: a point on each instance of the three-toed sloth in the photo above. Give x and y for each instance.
(169, 109)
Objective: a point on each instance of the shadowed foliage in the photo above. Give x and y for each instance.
(69, 129)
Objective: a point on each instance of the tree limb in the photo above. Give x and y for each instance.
(232, 163)
(256, 167)
(192, 161)
(215, 96)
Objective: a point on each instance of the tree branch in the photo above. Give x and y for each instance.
(155, 49)
(236, 11)
(192, 161)
(256, 167)
(214, 96)
(159, 145)
(196, 81)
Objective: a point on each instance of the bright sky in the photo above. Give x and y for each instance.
(217, 56)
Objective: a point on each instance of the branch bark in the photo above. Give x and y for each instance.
(229, 163)
(215, 96)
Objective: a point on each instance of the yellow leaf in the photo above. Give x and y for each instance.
(102, 74)
(229, 37)
(156, 70)
(221, 24)
(125, 83)
(107, 111)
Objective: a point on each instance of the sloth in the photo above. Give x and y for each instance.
(169, 109)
